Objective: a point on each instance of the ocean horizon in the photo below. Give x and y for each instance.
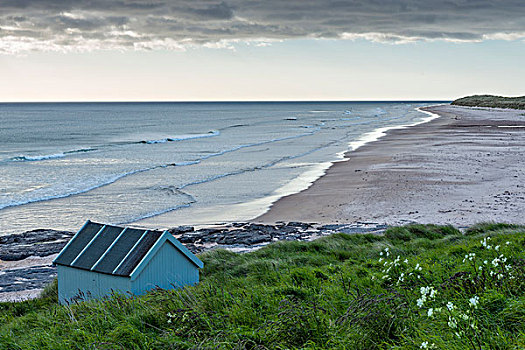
(202, 162)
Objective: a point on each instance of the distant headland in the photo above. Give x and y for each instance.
(491, 101)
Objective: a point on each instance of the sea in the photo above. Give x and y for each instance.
(161, 165)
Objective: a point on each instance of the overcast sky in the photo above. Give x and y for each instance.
(67, 50)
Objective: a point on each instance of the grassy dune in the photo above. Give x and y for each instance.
(491, 101)
(415, 287)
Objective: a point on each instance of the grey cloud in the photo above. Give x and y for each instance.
(217, 11)
(122, 24)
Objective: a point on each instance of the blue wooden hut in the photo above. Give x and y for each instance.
(101, 258)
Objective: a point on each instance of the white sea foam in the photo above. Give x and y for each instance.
(304, 181)
(380, 132)
(100, 183)
(37, 158)
(110, 180)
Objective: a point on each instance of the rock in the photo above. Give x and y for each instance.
(188, 239)
(194, 249)
(257, 239)
(209, 231)
(32, 243)
(302, 225)
(20, 252)
(32, 277)
(181, 229)
(36, 236)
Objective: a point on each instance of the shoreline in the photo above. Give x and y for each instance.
(251, 210)
(460, 169)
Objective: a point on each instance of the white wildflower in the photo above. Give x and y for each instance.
(474, 301)
(450, 306)
(496, 248)
(507, 243)
(424, 345)
(485, 244)
(452, 322)
(420, 302)
(430, 312)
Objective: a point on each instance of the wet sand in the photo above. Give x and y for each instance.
(465, 167)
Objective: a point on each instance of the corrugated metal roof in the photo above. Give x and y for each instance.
(107, 249)
(121, 248)
(136, 255)
(77, 243)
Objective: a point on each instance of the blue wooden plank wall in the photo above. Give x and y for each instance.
(92, 284)
(168, 269)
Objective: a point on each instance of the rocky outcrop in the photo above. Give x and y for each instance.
(32, 243)
(248, 236)
(22, 272)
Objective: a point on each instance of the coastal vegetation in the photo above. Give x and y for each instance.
(415, 287)
(491, 101)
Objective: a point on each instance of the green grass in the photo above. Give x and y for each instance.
(491, 101)
(338, 292)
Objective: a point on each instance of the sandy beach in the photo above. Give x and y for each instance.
(465, 167)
